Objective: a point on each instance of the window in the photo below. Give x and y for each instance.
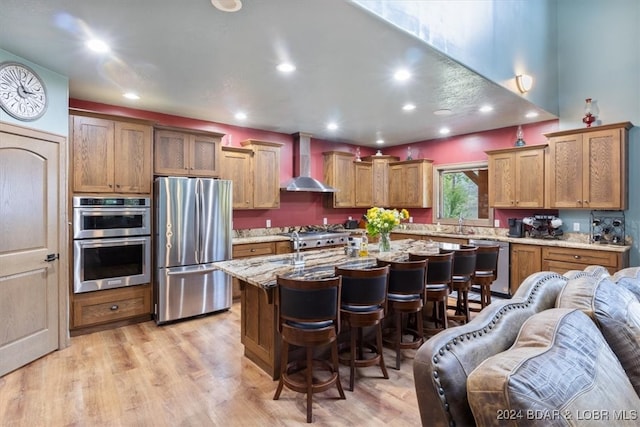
(462, 190)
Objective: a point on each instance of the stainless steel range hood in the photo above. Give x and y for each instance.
(302, 180)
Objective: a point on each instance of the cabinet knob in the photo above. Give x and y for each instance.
(110, 185)
(586, 202)
(252, 250)
(114, 307)
(576, 257)
(579, 202)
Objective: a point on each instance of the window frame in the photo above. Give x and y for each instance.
(457, 167)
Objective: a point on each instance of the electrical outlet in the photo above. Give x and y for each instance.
(324, 221)
(410, 219)
(576, 226)
(268, 223)
(350, 218)
(496, 223)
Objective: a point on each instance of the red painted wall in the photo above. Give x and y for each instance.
(309, 208)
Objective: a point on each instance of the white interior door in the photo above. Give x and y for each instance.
(29, 221)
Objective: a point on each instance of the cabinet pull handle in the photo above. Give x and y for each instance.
(114, 307)
(576, 256)
(252, 250)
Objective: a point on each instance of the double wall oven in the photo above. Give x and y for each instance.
(111, 242)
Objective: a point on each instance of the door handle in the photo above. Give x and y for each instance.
(51, 257)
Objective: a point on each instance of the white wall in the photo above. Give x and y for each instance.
(56, 118)
(599, 58)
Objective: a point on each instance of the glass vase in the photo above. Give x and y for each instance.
(385, 242)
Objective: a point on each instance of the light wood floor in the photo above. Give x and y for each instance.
(190, 373)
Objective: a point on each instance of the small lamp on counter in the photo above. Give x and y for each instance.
(589, 117)
(520, 138)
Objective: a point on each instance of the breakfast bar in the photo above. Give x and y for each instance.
(257, 276)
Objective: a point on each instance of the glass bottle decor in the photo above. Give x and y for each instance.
(384, 244)
(520, 138)
(409, 154)
(588, 113)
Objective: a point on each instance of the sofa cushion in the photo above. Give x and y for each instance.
(560, 371)
(629, 278)
(442, 363)
(616, 311)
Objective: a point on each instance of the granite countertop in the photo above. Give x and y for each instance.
(262, 270)
(564, 243)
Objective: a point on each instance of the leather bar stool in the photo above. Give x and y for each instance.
(309, 317)
(437, 287)
(363, 305)
(486, 273)
(405, 297)
(464, 267)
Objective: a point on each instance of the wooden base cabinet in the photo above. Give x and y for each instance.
(588, 168)
(110, 156)
(108, 306)
(562, 260)
(525, 260)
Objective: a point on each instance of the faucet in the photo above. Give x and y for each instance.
(460, 223)
(298, 259)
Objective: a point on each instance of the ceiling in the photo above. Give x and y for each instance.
(190, 59)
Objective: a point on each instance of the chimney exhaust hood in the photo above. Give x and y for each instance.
(302, 180)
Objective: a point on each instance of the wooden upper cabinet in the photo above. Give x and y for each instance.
(410, 184)
(588, 168)
(516, 177)
(186, 153)
(380, 178)
(110, 156)
(265, 166)
(363, 176)
(339, 173)
(236, 166)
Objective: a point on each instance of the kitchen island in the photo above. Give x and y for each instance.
(257, 276)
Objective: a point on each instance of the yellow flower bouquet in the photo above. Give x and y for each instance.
(381, 221)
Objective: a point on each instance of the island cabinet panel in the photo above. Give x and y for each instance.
(516, 177)
(265, 167)
(562, 260)
(110, 156)
(525, 260)
(339, 173)
(181, 152)
(259, 329)
(588, 168)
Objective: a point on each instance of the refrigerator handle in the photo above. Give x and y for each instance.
(198, 210)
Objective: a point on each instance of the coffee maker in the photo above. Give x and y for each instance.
(516, 229)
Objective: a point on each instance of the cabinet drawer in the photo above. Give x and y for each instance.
(253, 249)
(581, 256)
(111, 305)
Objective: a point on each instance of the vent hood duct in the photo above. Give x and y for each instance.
(302, 180)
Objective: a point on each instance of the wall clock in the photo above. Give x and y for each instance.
(22, 92)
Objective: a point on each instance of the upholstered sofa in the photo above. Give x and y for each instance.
(563, 351)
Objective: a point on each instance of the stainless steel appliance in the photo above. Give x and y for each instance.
(516, 228)
(112, 245)
(500, 287)
(317, 239)
(193, 230)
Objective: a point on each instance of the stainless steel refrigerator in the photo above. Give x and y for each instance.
(193, 229)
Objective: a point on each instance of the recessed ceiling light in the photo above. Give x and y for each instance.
(240, 115)
(131, 95)
(531, 114)
(332, 126)
(402, 75)
(442, 112)
(97, 45)
(379, 141)
(445, 131)
(227, 5)
(486, 109)
(408, 107)
(286, 67)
